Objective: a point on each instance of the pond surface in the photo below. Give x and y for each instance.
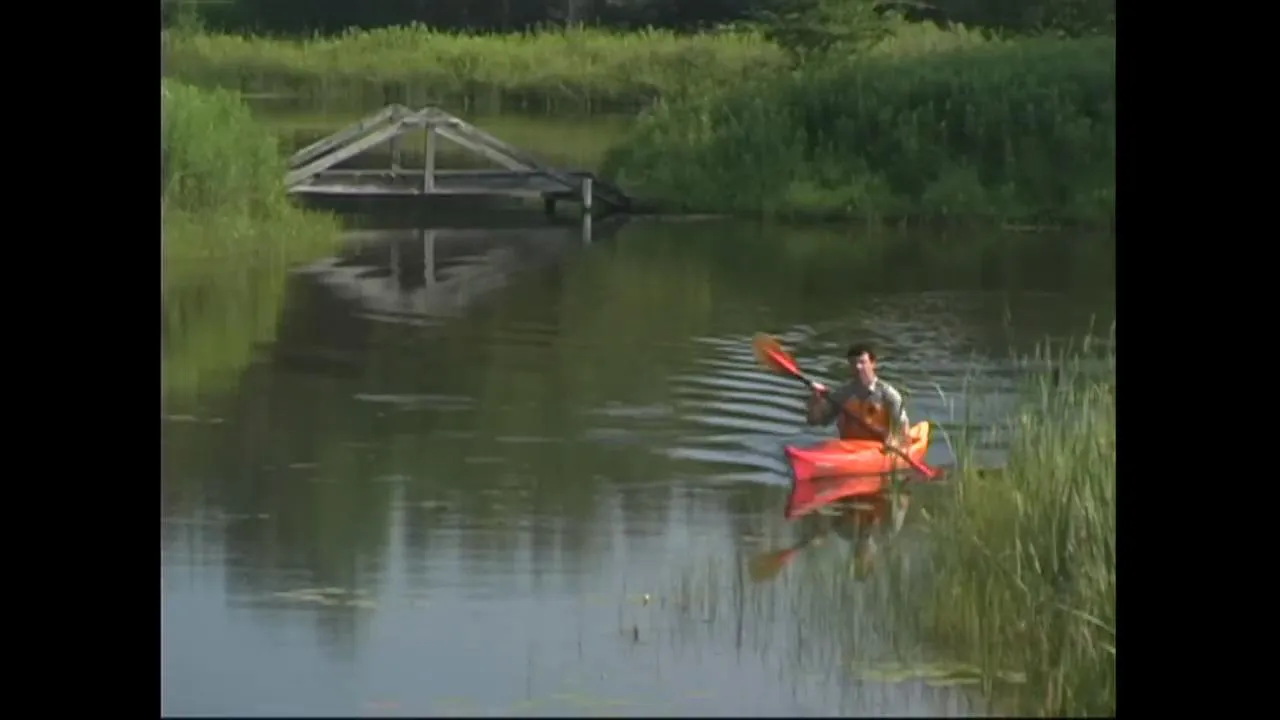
(517, 470)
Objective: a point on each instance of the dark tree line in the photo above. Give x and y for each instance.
(291, 17)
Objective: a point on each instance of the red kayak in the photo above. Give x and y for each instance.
(839, 469)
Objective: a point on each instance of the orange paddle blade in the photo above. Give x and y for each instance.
(769, 353)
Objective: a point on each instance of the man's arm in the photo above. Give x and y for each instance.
(897, 412)
(823, 408)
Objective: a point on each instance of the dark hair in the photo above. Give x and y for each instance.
(857, 349)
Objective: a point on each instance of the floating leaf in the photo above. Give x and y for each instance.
(527, 705)
(951, 681)
(938, 674)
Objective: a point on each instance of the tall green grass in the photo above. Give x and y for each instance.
(228, 233)
(1023, 570)
(548, 71)
(930, 124)
(215, 158)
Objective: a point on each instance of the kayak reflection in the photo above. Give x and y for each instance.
(864, 523)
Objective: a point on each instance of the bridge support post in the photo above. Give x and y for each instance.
(393, 282)
(587, 198)
(395, 152)
(429, 166)
(429, 258)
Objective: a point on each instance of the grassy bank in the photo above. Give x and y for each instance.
(931, 124)
(1024, 567)
(553, 71)
(229, 231)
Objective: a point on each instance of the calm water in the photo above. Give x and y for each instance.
(448, 480)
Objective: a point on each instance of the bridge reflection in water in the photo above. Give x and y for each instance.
(425, 276)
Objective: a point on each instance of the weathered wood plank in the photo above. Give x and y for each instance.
(324, 163)
(345, 135)
(447, 182)
(477, 137)
(503, 159)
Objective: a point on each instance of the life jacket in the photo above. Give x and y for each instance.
(872, 413)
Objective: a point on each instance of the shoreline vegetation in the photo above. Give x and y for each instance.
(227, 229)
(573, 70)
(1023, 570)
(920, 123)
(1010, 131)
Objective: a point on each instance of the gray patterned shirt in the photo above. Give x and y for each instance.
(879, 393)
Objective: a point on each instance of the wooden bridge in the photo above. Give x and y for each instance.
(314, 171)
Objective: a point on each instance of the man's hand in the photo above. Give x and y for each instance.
(891, 444)
(816, 400)
(816, 406)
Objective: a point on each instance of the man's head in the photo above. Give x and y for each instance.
(862, 362)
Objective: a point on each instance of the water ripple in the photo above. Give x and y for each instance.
(419, 401)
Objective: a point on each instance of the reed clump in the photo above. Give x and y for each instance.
(931, 123)
(553, 70)
(222, 180)
(228, 231)
(1023, 572)
(214, 157)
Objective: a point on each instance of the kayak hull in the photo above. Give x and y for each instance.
(839, 469)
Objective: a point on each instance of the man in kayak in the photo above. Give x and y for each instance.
(878, 403)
